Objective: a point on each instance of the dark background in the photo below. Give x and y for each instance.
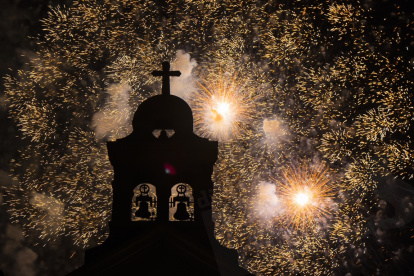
(20, 26)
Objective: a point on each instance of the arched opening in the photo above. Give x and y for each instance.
(181, 203)
(144, 203)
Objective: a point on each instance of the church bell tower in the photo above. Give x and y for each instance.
(161, 214)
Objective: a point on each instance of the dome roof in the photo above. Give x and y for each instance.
(163, 112)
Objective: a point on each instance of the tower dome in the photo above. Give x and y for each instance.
(163, 112)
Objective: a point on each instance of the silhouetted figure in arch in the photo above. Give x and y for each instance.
(141, 202)
(164, 151)
(183, 203)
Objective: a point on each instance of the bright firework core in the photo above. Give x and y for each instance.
(306, 192)
(222, 111)
(222, 104)
(302, 198)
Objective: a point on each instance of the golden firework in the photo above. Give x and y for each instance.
(222, 105)
(344, 102)
(307, 194)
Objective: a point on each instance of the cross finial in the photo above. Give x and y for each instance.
(166, 73)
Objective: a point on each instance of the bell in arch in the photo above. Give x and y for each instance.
(144, 203)
(181, 203)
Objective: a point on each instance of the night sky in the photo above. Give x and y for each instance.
(20, 25)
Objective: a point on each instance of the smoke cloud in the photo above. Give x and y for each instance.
(17, 260)
(51, 205)
(275, 131)
(114, 120)
(183, 85)
(24, 262)
(268, 204)
(399, 195)
(6, 181)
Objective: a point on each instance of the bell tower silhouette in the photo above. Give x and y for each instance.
(161, 213)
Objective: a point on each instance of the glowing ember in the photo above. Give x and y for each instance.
(302, 198)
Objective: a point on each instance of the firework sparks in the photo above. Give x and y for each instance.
(274, 84)
(222, 106)
(308, 195)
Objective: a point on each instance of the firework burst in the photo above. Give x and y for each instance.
(223, 105)
(273, 81)
(307, 193)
